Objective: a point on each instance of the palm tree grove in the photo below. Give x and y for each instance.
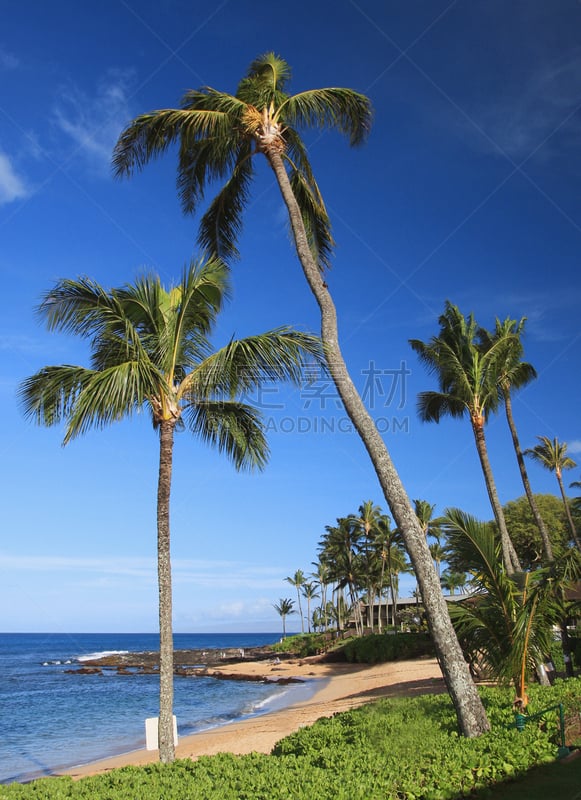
(497, 600)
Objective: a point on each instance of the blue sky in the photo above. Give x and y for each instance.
(467, 189)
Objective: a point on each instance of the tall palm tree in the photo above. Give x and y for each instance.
(467, 380)
(219, 135)
(284, 607)
(150, 349)
(298, 580)
(513, 374)
(552, 455)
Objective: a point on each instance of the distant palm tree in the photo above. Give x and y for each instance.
(438, 553)
(309, 592)
(551, 454)
(468, 384)
(339, 550)
(150, 349)
(284, 607)
(453, 580)
(322, 579)
(513, 373)
(425, 514)
(367, 520)
(220, 136)
(298, 580)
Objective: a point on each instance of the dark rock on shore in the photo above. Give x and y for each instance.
(184, 660)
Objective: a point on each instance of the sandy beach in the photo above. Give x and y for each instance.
(343, 686)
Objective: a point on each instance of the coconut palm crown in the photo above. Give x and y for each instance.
(220, 133)
(468, 378)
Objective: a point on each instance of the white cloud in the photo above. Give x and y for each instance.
(93, 123)
(12, 186)
(574, 446)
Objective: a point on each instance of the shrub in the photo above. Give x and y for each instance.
(378, 648)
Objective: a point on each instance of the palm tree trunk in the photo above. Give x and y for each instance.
(166, 666)
(510, 558)
(525, 478)
(470, 712)
(567, 509)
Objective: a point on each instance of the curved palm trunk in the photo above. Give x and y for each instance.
(166, 666)
(525, 478)
(469, 709)
(567, 509)
(510, 558)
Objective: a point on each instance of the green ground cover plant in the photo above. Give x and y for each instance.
(393, 749)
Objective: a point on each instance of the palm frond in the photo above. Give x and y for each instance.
(432, 406)
(147, 137)
(222, 223)
(315, 218)
(244, 364)
(234, 428)
(48, 396)
(81, 307)
(344, 110)
(86, 398)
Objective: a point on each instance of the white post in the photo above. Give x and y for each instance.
(151, 732)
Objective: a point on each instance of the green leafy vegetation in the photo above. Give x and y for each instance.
(378, 648)
(303, 644)
(394, 748)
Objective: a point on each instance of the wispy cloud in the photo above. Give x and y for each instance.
(12, 185)
(93, 122)
(8, 61)
(215, 574)
(531, 112)
(574, 446)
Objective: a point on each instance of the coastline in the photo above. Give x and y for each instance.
(338, 687)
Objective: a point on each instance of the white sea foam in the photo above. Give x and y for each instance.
(101, 654)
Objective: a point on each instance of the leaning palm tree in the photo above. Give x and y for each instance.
(467, 379)
(150, 349)
(284, 607)
(513, 374)
(552, 455)
(220, 135)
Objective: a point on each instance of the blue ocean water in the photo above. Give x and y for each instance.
(50, 720)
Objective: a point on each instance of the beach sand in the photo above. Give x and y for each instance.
(343, 686)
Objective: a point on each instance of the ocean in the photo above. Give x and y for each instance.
(51, 719)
